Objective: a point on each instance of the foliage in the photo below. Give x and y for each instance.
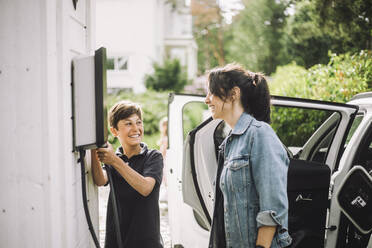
(322, 25)
(295, 126)
(304, 41)
(154, 107)
(169, 76)
(269, 33)
(343, 77)
(192, 116)
(209, 32)
(256, 35)
(348, 21)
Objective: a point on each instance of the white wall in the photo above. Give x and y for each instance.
(131, 28)
(40, 186)
(179, 40)
(144, 30)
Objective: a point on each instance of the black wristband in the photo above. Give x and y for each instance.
(259, 246)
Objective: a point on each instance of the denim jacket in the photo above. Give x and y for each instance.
(254, 184)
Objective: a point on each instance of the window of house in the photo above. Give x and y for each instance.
(118, 63)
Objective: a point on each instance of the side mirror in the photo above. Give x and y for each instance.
(355, 198)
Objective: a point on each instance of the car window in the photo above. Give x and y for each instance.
(358, 119)
(193, 113)
(295, 127)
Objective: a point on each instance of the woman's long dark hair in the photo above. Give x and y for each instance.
(254, 91)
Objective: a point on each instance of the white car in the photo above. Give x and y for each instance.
(329, 177)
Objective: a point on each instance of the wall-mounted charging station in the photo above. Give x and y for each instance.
(89, 89)
(89, 110)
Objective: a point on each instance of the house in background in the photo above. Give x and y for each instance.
(139, 33)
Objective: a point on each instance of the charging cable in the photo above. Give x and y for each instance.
(109, 169)
(85, 201)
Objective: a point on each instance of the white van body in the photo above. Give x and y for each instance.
(336, 144)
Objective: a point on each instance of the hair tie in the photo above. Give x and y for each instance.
(255, 79)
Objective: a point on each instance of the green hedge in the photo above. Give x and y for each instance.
(338, 81)
(343, 77)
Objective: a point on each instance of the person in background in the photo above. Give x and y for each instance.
(136, 176)
(251, 205)
(163, 145)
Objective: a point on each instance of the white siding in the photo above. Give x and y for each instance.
(40, 185)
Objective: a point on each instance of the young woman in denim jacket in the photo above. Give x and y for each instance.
(251, 206)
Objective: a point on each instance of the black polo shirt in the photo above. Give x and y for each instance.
(139, 215)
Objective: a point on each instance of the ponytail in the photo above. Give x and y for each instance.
(254, 96)
(256, 99)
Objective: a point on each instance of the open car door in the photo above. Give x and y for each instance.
(314, 133)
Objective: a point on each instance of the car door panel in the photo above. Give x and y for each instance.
(200, 169)
(307, 189)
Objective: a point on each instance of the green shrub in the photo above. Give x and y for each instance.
(343, 77)
(338, 81)
(169, 76)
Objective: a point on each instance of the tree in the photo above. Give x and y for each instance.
(169, 76)
(319, 26)
(257, 35)
(349, 21)
(208, 30)
(304, 41)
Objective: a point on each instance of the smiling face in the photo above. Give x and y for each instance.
(216, 105)
(129, 131)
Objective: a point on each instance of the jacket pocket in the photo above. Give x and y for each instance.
(237, 164)
(237, 174)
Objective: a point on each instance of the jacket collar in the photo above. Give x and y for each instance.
(245, 120)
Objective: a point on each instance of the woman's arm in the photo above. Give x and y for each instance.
(269, 170)
(265, 236)
(99, 175)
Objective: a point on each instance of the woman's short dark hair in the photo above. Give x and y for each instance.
(122, 110)
(254, 91)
